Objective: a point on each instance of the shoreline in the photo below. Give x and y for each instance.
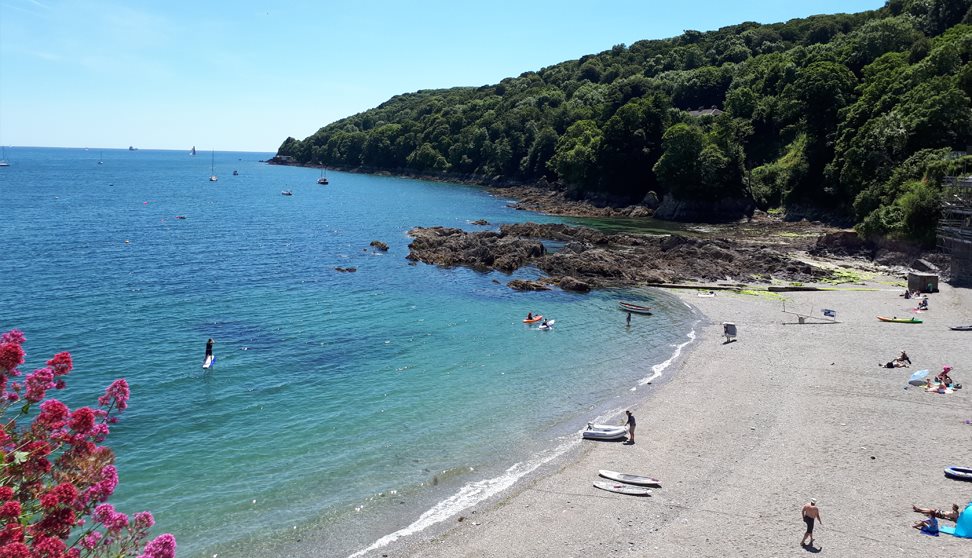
(745, 433)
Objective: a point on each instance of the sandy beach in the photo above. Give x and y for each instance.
(747, 432)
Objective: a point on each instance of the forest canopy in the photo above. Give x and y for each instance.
(854, 116)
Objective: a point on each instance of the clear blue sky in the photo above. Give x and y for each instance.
(244, 75)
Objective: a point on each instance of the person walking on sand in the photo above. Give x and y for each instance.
(810, 514)
(631, 428)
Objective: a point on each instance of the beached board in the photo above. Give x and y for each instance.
(629, 479)
(210, 360)
(900, 320)
(622, 488)
(961, 328)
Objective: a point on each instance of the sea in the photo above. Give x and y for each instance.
(345, 410)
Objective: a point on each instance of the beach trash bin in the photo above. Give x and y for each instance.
(729, 330)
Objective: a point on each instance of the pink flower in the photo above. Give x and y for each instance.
(48, 547)
(117, 393)
(61, 364)
(15, 550)
(38, 382)
(91, 540)
(64, 493)
(112, 520)
(163, 546)
(6, 493)
(11, 356)
(144, 520)
(82, 420)
(99, 432)
(13, 336)
(10, 510)
(53, 414)
(101, 490)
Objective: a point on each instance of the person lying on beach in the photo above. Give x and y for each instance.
(928, 526)
(940, 514)
(901, 361)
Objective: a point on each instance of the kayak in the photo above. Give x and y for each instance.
(961, 328)
(900, 320)
(532, 320)
(637, 309)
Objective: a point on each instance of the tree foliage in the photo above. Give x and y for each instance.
(820, 111)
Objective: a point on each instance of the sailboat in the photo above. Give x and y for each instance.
(3, 157)
(101, 157)
(322, 179)
(193, 151)
(212, 169)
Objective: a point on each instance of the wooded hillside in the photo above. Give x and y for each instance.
(851, 116)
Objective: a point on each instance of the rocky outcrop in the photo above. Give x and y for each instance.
(692, 211)
(480, 222)
(591, 259)
(524, 285)
(379, 245)
(346, 269)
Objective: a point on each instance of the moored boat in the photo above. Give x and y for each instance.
(959, 473)
(636, 308)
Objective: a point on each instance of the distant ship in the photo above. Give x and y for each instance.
(322, 179)
(212, 169)
(193, 152)
(130, 148)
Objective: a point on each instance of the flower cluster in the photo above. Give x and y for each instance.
(56, 478)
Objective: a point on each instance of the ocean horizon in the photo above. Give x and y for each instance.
(345, 409)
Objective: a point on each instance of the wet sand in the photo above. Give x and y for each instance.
(747, 432)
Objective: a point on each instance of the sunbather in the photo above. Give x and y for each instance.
(943, 376)
(928, 526)
(940, 514)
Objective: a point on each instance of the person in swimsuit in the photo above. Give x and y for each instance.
(529, 315)
(631, 428)
(928, 526)
(209, 349)
(940, 514)
(810, 514)
(629, 319)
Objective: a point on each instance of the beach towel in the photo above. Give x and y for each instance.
(963, 526)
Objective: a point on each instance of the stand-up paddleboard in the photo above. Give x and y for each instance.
(210, 360)
(622, 488)
(550, 324)
(629, 479)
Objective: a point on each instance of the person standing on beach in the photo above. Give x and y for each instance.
(810, 513)
(631, 428)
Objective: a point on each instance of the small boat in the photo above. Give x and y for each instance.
(3, 157)
(637, 309)
(707, 294)
(959, 473)
(130, 148)
(101, 158)
(604, 432)
(212, 168)
(533, 320)
(286, 193)
(322, 179)
(192, 151)
(961, 328)
(622, 488)
(236, 172)
(898, 320)
(629, 479)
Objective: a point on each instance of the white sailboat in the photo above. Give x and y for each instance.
(101, 157)
(322, 179)
(193, 151)
(212, 169)
(3, 157)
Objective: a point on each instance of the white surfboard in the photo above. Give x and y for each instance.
(629, 479)
(549, 325)
(622, 488)
(210, 360)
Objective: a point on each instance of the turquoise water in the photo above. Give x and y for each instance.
(343, 407)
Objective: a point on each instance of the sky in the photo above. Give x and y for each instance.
(243, 75)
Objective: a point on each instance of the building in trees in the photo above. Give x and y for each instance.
(955, 226)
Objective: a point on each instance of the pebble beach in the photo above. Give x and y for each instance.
(747, 432)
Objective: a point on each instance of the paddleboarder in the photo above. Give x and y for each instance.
(629, 319)
(209, 350)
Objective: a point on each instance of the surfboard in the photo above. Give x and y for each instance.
(550, 323)
(622, 488)
(629, 479)
(210, 360)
